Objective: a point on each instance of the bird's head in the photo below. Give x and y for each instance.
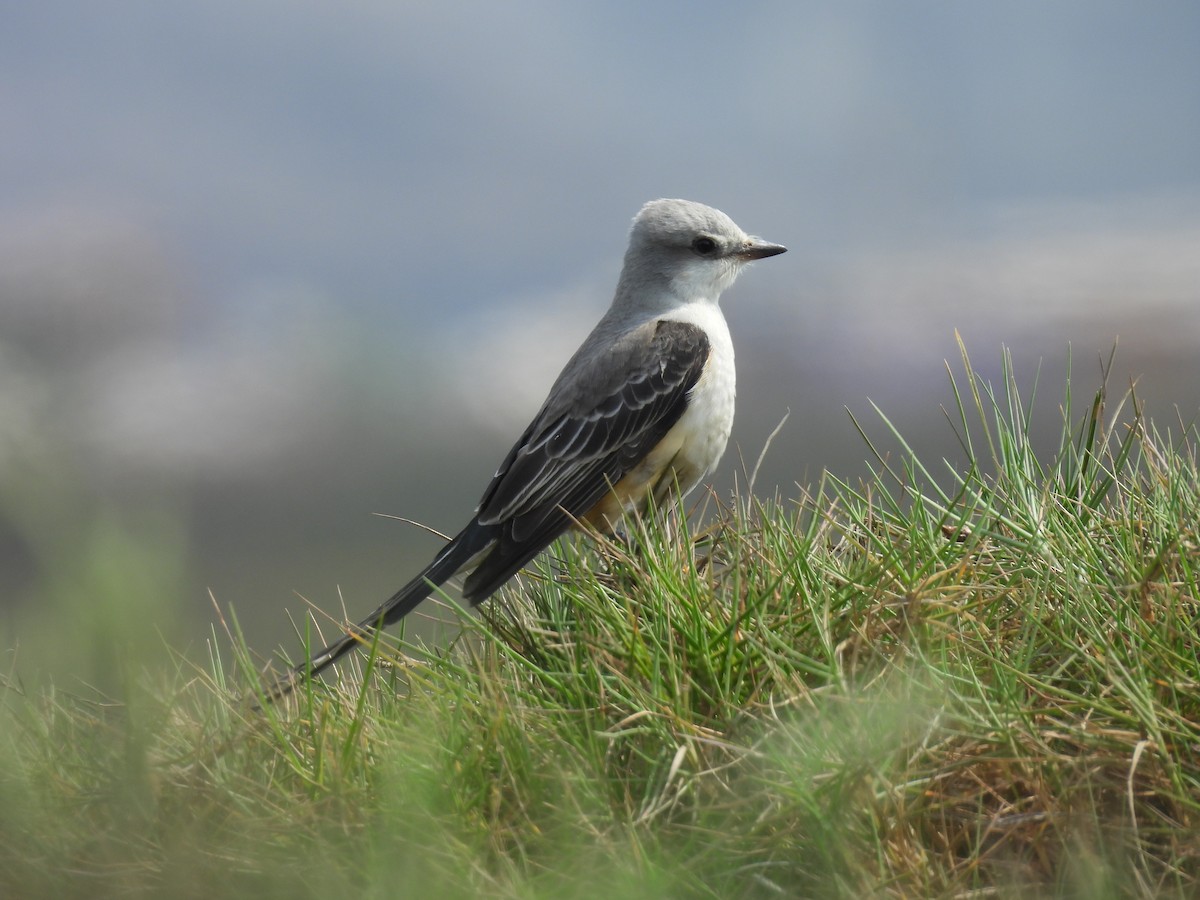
(695, 249)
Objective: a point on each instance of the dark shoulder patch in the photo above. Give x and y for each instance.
(682, 334)
(682, 350)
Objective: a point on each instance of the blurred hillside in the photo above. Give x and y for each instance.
(266, 271)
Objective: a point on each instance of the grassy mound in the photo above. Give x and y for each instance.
(980, 681)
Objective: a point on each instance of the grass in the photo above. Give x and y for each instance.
(943, 681)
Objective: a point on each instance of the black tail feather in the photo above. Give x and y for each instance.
(457, 554)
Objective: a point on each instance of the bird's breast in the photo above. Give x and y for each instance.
(696, 442)
(703, 430)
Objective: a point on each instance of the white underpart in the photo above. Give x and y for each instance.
(703, 429)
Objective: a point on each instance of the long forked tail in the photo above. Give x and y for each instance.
(454, 557)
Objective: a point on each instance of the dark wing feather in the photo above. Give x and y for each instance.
(571, 456)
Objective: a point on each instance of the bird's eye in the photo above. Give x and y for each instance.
(705, 246)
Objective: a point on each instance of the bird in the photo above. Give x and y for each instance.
(643, 408)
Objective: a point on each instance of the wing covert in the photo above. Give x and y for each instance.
(573, 453)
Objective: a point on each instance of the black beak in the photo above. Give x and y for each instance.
(756, 248)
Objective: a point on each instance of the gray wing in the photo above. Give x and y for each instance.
(576, 449)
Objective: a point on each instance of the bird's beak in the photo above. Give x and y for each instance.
(756, 248)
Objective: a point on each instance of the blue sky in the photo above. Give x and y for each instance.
(369, 147)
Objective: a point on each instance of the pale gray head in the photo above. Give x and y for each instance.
(692, 251)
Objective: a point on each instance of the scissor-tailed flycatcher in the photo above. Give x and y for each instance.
(644, 404)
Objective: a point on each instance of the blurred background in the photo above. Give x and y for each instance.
(269, 268)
